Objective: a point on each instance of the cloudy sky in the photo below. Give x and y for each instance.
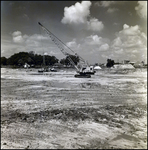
(96, 30)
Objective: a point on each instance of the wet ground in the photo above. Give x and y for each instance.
(56, 110)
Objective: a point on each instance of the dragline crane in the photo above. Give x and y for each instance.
(83, 69)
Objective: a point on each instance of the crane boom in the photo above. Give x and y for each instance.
(82, 69)
(54, 38)
(61, 46)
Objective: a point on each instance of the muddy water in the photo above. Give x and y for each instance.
(56, 110)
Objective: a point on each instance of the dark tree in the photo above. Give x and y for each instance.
(30, 58)
(15, 59)
(53, 60)
(75, 59)
(67, 62)
(110, 63)
(38, 59)
(62, 61)
(21, 62)
(3, 61)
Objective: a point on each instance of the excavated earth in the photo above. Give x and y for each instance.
(55, 110)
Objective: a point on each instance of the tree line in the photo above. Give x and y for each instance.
(19, 59)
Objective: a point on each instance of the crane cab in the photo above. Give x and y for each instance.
(88, 70)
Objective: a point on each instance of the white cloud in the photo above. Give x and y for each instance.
(42, 45)
(53, 53)
(105, 3)
(135, 51)
(91, 47)
(73, 44)
(94, 46)
(109, 3)
(130, 42)
(120, 51)
(45, 53)
(77, 13)
(132, 36)
(38, 37)
(8, 48)
(16, 33)
(144, 35)
(117, 42)
(133, 30)
(94, 40)
(111, 10)
(35, 42)
(17, 37)
(104, 47)
(95, 25)
(104, 56)
(142, 9)
(125, 26)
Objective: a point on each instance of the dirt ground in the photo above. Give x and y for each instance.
(55, 110)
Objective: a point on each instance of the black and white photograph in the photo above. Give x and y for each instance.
(73, 74)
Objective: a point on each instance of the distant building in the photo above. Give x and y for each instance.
(26, 66)
(126, 61)
(132, 63)
(138, 64)
(58, 65)
(97, 68)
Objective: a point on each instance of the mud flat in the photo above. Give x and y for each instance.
(56, 110)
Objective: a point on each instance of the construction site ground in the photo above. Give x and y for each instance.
(55, 110)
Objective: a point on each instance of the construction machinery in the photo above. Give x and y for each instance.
(82, 68)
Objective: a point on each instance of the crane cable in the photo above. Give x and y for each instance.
(51, 34)
(42, 48)
(54, 39)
